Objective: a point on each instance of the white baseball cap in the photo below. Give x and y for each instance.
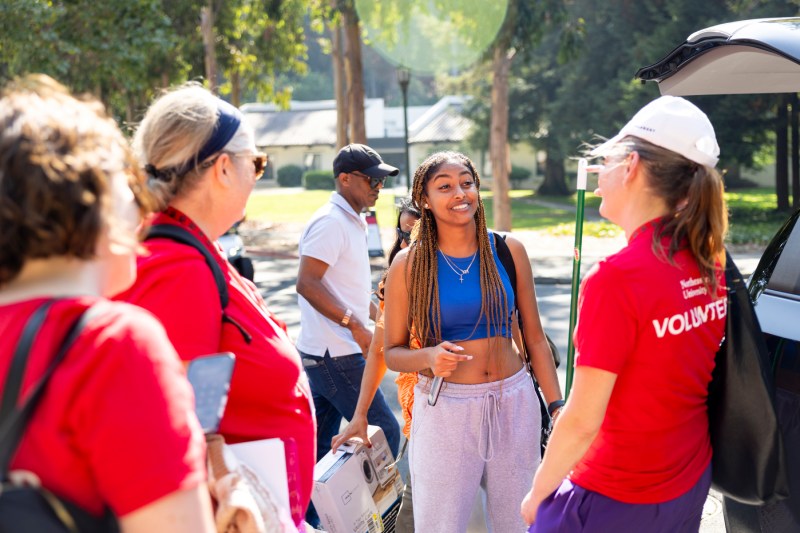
(673, 123)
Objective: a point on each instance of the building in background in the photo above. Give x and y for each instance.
(305, 134)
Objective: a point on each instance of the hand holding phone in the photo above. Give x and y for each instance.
(444, 360)
(436, 388)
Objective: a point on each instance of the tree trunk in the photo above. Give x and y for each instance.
(339, 78)
(355, 74)
(795, 120)
(732, 178)
(236, 87)
(554, 183)
(554, 176)
(498, 137)
(209, 39)
(782, 155)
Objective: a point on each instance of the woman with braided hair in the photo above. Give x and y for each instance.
(484, 429)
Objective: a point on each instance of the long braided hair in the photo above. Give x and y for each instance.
(423, 288)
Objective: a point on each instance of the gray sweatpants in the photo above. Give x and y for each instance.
(484, 435)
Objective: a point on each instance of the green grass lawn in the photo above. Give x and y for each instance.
(753, 218)
(751, 215)
(297, 208)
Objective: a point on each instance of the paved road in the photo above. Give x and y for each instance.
(276, 277)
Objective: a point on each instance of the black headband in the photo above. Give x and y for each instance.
(229, 118)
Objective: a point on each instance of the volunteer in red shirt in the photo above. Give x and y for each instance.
(631, 450)
(115, 428)
(203, 164)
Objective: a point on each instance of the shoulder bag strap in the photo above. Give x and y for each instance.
(13, 422)
(183, 236)
(16, 369)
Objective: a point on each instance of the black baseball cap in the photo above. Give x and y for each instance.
(361, 158)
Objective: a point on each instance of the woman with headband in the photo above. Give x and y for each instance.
(203, 164)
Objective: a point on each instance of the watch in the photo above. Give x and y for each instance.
(346, 318)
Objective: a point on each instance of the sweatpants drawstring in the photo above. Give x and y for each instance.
(490, 421)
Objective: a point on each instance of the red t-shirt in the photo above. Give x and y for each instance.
(269, 395)
(656, 327)
(115, 426)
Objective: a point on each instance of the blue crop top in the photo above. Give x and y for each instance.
(460, 302)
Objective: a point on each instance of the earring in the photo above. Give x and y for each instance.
(426, 206)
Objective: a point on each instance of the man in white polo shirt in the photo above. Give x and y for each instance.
(333, 287)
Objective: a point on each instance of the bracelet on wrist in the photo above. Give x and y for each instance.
(554, 406)
(346, 318)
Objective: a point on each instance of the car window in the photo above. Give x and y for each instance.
(786, 276)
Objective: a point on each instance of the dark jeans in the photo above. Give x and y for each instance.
(335, 384)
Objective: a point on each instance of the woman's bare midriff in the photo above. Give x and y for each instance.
(493, 359)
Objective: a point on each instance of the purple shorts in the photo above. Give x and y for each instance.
(571, 509)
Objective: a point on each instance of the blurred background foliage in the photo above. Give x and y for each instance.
(570, 76)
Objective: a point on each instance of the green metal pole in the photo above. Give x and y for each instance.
(576, 271)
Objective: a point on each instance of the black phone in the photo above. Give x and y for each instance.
(210, 377)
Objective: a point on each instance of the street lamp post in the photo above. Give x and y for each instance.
(403, 77)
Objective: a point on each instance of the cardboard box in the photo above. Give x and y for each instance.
(353, 489)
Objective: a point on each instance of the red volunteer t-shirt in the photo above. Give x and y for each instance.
(656, 327)
(115, 426)
(269, 395)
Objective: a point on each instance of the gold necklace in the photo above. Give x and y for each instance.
(460, 272)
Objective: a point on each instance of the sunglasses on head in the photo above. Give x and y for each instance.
(405, 235)
(374, 183)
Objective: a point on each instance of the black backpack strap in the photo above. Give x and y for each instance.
(16, 369)
(184, 236)
(14, 420)
(506, 259)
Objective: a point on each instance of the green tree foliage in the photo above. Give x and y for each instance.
(124, 50)
(578, 84)
(108, 48)
(258, 38)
